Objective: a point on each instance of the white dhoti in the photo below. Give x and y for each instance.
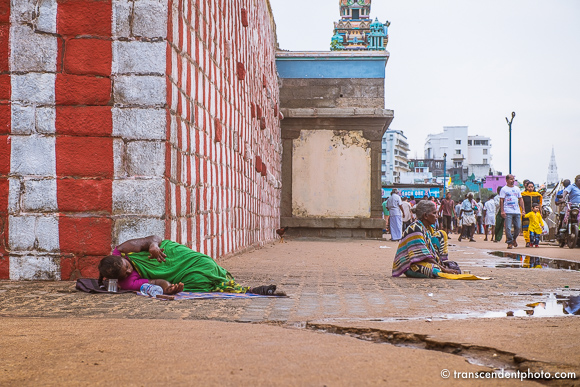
(396, 227)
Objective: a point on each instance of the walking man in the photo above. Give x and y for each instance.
(396, 218)
(446, 212)
(499, 221)
(511, 205)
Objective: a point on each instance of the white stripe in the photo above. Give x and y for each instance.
(33, 221)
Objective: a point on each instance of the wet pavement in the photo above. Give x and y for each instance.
(345, 288)
(324, 280)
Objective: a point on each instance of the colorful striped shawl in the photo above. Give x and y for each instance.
(419, 242)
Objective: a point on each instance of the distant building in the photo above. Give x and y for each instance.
(356, 31)
(552, 179)
(394, 158)
(424, 171)
(466, 155)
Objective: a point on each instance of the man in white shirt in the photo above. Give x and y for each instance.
(511, 205)
(396, 218)
(407, 214)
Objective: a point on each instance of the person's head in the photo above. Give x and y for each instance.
(492, 196)
(114, 267)
(447, 195)
(529, 186)
(566, 183)
(395, 191)
(412, 197)
(498, 189)
(577, 180)
(535, 207)
(426, 212)
(470, 196)
(425, 197)
(478, 200)
(526, 181)
(510, 179)
(404, 198)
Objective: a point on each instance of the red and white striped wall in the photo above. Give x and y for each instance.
(121, 119)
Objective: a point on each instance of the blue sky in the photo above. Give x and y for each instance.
(467, 62)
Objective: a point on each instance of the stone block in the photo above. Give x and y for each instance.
(131, 228)
(34, 268)
(140, 90)
(39, 196)
(336, 233)
(21, 235)
(376, 223)
(23, 117)
(45, 120)
(140, 124)
(85, 156)
(90, 121)
(33, 87)
(146, 158)
(122, 10)
(84, 195)
(23, 11)
(33, 155)
(137, 57)
(14, 192)
(46, 20)
(27, 233)
(119, 158)
(32, 51)
(74, 89)
(139, 197)
(347, 222)
(86, 56)
(150, 19)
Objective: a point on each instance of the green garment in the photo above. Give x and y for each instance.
(385, 208)
(197, 271)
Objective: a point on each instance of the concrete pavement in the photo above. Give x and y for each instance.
(334, 286)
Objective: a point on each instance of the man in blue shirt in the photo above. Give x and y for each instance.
(572, 192)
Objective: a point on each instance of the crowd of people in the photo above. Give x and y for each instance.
(422, 250)
(508, 210)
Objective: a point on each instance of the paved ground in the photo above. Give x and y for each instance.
(341, 287)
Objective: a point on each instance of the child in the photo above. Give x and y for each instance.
(536, 225)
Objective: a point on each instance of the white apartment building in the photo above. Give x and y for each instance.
(466, 154)
(394, 157)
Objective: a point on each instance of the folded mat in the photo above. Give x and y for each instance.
(207, 296)
(461, 276)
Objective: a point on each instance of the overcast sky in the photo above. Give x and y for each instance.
(468, 62)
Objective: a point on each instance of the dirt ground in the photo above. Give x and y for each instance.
(345, 322)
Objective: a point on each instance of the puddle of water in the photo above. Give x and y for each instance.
(515, 260)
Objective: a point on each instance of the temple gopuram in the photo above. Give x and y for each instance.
(356, 31)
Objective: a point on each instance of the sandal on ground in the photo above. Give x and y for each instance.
(510, 247)
(264, 290)
(472, 240)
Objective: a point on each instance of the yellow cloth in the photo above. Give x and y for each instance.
(461, 276)
(536, 222)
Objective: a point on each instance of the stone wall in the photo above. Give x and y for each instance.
(121, 119)
(335, 119)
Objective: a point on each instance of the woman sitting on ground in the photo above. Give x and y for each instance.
(422, 249)
(172, 266)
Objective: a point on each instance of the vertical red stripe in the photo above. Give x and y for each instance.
(84, 147)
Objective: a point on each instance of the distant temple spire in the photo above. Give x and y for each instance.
(552, 170)
(355, 29)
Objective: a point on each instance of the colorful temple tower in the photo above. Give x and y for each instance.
(356, 30)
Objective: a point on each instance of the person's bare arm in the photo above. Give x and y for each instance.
(522, 210)
(150, 243)
(168, 288)
(502, 211)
